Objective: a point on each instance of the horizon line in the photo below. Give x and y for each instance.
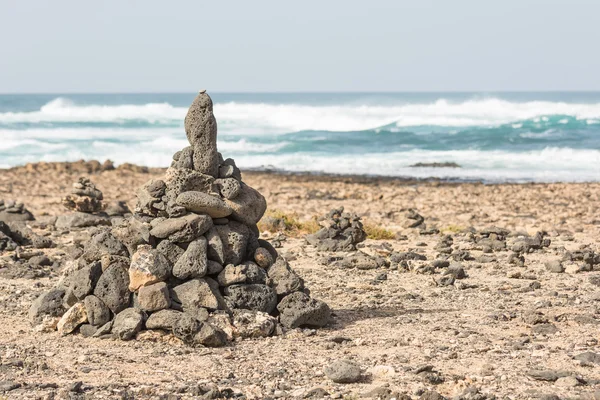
(312, 92)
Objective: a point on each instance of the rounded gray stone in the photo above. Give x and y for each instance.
(343, 371)
(204, 203)
(128, 323)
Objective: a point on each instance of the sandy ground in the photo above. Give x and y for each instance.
(493, 331)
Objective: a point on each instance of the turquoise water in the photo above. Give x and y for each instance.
(493, 136)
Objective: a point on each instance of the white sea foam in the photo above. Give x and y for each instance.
(547, 165)
(64, 110)
(260, 118)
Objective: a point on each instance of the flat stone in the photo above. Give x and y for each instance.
(182, 229)
(546, 375)
(98, 313)
(154, 297)
(252, 297)
(193, 262)
(113, 288)
(80, 220)
(298, 309)
(8, 386)
(148, 266)
(75, 316)
(8, 216)
(248, 206)
(128, 323)
(343, 371)
(204, 203)
(163, 319)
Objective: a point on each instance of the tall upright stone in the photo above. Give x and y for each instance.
(201, 131)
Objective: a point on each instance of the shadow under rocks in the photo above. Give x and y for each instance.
(345, 317)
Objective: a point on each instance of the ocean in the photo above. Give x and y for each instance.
(494, 137)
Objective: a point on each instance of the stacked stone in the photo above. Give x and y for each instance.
(341, 232)
(84, 197)
(11, 211)
(189, 261)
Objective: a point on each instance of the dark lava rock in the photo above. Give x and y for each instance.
(49, 303)
(98, 313)
(284, 279)
(255, 297)
(113, 288)
(298, 309)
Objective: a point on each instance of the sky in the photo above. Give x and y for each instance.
(64, 46)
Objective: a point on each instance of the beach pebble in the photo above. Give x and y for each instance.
(343, 371)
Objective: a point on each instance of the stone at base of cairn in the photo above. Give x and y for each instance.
(189, 261)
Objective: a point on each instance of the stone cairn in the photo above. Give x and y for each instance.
(341, 231)
(189, 261)
(84, 197)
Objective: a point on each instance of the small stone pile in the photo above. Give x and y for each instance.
(84, 197)
(11, 210)
(189, 261)
(85, 202)
(340, 232)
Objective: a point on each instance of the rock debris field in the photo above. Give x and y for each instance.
(359, 288)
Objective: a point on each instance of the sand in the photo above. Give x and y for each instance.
(493, 331)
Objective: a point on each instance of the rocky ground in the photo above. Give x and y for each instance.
(407, 326)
